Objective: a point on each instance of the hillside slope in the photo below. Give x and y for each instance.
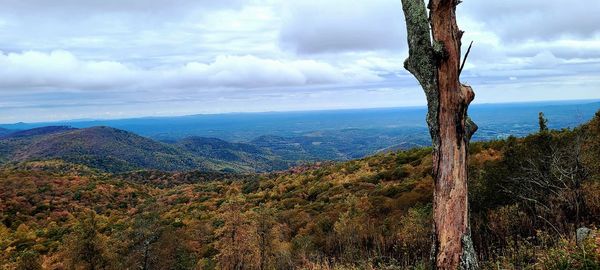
(108, 149)
(252, 157)
(4, 131)
(40, 131)
(114, 150)
(528, 197)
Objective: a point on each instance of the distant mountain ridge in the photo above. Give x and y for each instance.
(4, 131)
(115, 150)
(339, 134)
(258, 159)
(493, 119)
(36, 131)
(263, 141)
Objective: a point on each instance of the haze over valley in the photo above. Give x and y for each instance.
(259, 142)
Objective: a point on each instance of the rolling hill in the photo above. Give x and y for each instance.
(339, 135)
(494, 120)
(251, 157)
(115, 150)
(40, 131)
(4, 131)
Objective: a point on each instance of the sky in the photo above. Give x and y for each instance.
(103, 59)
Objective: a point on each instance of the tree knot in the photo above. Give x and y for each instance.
(467, 94)
(470, 127)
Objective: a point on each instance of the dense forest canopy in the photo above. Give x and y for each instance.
(528, 196)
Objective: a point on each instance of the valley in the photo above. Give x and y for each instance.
(262, 142)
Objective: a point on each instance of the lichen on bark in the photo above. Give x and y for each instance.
(468, 259)
(421, 60)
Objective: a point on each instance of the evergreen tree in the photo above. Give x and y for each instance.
(86, 249)
(543, 122)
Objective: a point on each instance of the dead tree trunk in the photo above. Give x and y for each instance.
(436, 65)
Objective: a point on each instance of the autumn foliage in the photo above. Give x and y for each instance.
(528, 196)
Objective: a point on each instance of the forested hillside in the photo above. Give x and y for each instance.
(528, 197)
(116, 151)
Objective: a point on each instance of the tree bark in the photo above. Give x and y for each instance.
(436, 65)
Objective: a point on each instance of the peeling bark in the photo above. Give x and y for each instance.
(436, 65)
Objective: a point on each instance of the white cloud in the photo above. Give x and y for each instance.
(250, 72)
(314, 26)
(77, 7)
(518, 20)
(256, 53)
(62, 70)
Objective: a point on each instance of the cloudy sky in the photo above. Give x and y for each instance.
(74, 59)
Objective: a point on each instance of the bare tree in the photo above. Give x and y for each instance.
(549, 178)
(436, 65)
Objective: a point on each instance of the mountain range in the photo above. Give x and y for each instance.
(226, 143)
(115, 150)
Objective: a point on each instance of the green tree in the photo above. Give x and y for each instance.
(543, 122)
(237, 240)
(86, 247)
(146, 232)
(273, 252)
(29, 260)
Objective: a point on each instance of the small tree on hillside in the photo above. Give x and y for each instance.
(86, 247)
(543, 122)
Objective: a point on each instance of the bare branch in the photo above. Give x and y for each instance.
(465, 59)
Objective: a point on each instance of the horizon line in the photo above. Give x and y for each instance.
(78, 120)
